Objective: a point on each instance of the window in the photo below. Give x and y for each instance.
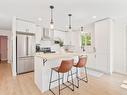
(86, 39)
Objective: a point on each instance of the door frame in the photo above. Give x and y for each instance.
(125, 46)
(8, 33)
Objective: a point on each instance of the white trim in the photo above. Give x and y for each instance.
(125, 47)
(14, 46)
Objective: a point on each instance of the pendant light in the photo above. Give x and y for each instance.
(51, 22)
(70, 26)
(82, 29)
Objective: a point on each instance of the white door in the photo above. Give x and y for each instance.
(102, 45)
(3, 48)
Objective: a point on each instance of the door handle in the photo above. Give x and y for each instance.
(27, 45)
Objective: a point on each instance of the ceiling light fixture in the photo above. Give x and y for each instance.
(51, 22)
(94, 17)
(39, 19)
(70, 26)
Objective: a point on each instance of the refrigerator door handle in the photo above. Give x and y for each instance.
(27, 46)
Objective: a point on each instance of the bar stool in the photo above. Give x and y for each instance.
(66, 66)
(81, 64)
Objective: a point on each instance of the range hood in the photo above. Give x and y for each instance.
(46, 35)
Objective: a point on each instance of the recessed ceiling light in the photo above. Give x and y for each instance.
(40, 19)
(94, 17)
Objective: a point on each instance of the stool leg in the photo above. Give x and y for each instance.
(77, 77)
(86, 74)
(59, 82)
(72, 80)
(50, 80)
(63, 79)
(67, 77)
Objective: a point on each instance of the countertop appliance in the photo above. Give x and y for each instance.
(44, 50)
(25, 44)
(37, 47)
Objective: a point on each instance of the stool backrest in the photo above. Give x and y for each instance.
(82, 62)
(65, 66)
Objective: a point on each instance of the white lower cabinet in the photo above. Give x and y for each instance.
(103, 62)
(91, 61)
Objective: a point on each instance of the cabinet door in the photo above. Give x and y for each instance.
(21, 26)
(38, 34)
(102, 44)
(31, 28)
(91, 62)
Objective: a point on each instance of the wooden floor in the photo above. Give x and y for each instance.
(24, 85)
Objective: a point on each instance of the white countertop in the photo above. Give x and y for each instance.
(49, 56)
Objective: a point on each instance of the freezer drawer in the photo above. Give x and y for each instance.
(25, 64)
(29, 65)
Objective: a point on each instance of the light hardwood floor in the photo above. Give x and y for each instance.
(24, 85)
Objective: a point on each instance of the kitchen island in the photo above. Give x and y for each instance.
(43, 64)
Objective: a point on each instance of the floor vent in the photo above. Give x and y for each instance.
(94, 73)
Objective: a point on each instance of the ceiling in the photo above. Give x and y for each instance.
(82, 11)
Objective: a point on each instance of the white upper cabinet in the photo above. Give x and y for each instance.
(38, 34)
(31, 28)
(21, 26)
(24, 26)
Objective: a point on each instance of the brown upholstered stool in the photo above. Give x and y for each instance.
(66, 66)
(81, 64)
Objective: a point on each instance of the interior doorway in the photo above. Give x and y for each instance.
(3, 49)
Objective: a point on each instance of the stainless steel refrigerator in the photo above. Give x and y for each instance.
(25, 52)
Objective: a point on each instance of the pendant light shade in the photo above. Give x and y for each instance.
(51, 21)
(70, 26)
(82, 29)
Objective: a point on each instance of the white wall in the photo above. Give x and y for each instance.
(60, 34)
(8, 33)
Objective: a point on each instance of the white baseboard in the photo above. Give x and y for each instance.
(98, 70)
(121, 73)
